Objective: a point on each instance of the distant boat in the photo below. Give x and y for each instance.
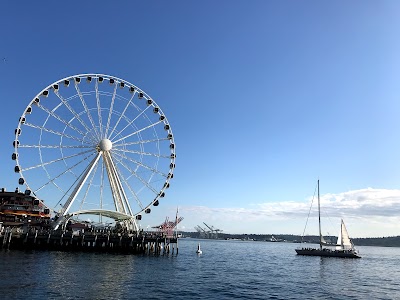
(343, 247)
(273, 239)
(198, 251)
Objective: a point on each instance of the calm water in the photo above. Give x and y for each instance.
(225, 270)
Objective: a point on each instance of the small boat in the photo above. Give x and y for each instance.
(198, 251)
(344, 247)
(274, 239)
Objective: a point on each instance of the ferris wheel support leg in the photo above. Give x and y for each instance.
(119, 195)
(76, 191)
(134, 225)
(112, 178)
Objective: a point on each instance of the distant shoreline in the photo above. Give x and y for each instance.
(392, 241)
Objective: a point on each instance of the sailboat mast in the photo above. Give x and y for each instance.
(341, 233)
(319, 220)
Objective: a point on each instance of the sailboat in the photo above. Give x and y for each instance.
(343, 248)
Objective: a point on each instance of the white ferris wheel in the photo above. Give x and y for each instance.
(95, 144)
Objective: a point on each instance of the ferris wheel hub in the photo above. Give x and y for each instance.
(105, 145)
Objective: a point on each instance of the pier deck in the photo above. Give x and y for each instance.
(89, 242)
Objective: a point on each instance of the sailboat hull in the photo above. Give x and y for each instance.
(328, 253)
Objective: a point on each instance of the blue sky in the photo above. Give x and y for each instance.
(264, 98)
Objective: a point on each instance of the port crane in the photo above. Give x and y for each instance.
(202, 232)
(214, 231)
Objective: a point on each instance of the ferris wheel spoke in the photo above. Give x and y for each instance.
(135, 196)
(111, 110)
(124, 144)
(143, 153)
(52, 180)
(71, 109)
(138, 177)
(86, 110)
(99, 108)
(42, 128)
(125, 181)
(141, 164)
(56, 146)
(122, 114)
(138, 131)
(48, 183)
(130, 123)
(57, 160)
(57, 117)
(90, 137)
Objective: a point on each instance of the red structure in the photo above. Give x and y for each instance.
(168, 227)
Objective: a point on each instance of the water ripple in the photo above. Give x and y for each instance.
(225, 270)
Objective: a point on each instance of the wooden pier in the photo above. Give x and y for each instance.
(142, 243)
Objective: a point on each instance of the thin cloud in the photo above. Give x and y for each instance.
(363, 203)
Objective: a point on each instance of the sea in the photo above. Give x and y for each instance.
(227, 269)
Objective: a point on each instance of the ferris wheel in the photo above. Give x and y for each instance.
(95, 144)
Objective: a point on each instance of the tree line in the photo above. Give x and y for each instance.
(392, 241)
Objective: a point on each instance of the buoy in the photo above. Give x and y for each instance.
(198, 251)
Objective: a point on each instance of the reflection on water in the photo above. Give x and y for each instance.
(225, 270)
(99, 274)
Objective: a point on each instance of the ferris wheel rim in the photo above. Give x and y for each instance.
(94, 76)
